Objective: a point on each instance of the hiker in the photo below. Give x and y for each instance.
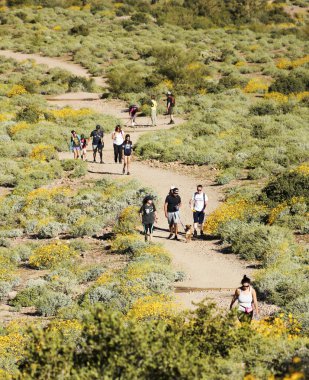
(75, 144)
(127, 152)
(118, 139)
(83, 147)
(148, 214)
(246, 296)
(154, 106)
(97, 143)
(170, 104)
(198, 204)
(171, 209)
(132, 112)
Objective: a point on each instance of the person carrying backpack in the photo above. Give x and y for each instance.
(154, 106)
(148, 214)
(97, 143)
(170, 104)
(132, 112)
(198, 203)
(127, 153)
(83, 147)
(75, 144)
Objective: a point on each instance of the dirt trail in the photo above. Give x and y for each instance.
(208, 269)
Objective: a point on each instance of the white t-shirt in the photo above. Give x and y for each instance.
(199, 200)
(118, 138)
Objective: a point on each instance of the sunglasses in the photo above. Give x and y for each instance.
(246, 286)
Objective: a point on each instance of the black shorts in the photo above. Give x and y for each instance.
(148, 228)
(98, 147)
(198, 217)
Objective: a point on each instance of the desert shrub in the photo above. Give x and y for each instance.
(258, 242)
(50, 302)
(292, 83)
(120, 78)
(234, 209)
(91, 274)
(52, 255)
(286, 186)
(49, 230)
(87, 227)
(29, 296)
(128, 220)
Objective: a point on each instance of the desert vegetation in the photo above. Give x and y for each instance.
(102, 305)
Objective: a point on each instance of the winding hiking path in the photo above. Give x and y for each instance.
(209, 271)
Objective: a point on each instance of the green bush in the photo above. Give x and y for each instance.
(286, 186)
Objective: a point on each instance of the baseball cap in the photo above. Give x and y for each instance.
(172, 187)
(169, 93)
(98, 126)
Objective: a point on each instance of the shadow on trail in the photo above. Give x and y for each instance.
(101, 172)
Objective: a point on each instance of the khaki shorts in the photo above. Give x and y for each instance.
(173, 217)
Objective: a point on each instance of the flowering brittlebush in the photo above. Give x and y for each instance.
(70, 113)
(43, 152)
(51, 255)
(17, 89)
(283, 208)
(232, 210)
(153, 307)
(256, 85)
(18, 127)
(303, 169)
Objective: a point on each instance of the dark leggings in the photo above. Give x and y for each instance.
(117, 152)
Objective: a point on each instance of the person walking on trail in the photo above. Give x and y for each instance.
(246, 297)
(148, 214)
(154, 106)
(170, 104)
(118, 139)
(75, 144)
(171, 209)
(132, 113)
(83, 147)
(198, 204)
(97, 136)
(127, 153)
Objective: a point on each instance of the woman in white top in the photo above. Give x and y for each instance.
(118, 139)
(246, 297)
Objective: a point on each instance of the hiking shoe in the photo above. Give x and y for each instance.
(170, 236)
(94, 161)
(176, 238)
(101, 162)
(128, 173)
(195, 234)
(172, 122)
(202, 233)
(123, 171)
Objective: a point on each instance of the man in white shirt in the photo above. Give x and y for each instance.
(198, 203)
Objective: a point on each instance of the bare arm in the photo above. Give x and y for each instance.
(256, 307)
(165, 209)
(235, 297)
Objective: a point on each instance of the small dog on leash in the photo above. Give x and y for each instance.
(189, 232)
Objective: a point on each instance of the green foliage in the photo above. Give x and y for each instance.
(286, 186)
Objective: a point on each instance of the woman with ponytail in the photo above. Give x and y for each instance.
(246, 297)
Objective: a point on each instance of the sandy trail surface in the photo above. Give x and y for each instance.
(210, 272)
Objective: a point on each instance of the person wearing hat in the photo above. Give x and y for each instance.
(97, 136)
(170, 104)
(171, 209)
(148, 214)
